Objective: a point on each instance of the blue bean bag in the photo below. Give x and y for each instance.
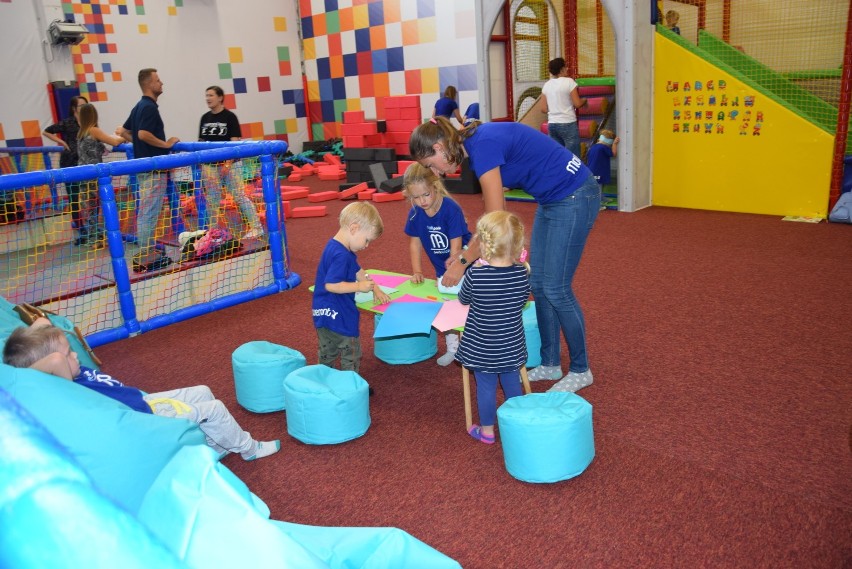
(42, 487)
(546, 437)
(259, 372)
(405, 349)
(532, 336)
(122, 450)
(325, 405)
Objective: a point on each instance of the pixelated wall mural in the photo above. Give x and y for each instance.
(359, 51)
(352, 54)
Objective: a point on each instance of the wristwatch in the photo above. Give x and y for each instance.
(462, 260)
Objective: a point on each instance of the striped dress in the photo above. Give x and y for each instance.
(493, 338)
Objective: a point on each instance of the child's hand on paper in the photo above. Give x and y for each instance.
(417, 278)
(380, 296)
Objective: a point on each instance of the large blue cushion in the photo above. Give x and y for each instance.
(122, 450)
(259, 371)
(42, 489)
(325, 405)
(546, 437)
(405, 349)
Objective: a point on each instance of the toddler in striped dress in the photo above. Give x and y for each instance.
(493, 344)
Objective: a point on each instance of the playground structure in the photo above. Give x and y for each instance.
(791, 56)
(98, 288)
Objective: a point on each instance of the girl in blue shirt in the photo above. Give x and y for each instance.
(436, 224)
(513, 155)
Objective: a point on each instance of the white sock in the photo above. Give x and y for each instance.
(264, 448)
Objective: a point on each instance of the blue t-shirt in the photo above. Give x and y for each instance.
(528, 160)
(112, 388)
(445, 107)
(337, 312)
(436, 232)
(598, 161)
(472, 111)
(146, 116)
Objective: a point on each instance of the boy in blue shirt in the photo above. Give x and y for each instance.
(339, 277)
(598, 160)
(45, 348)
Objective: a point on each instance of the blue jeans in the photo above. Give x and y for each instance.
(486, 392)
(213, 174)
(559, 235)
(152, 190)
(567, 134)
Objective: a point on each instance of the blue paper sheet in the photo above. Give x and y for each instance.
(404, 318)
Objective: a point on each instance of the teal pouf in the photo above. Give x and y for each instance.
(532, 336)
(408, 349)
(259, 370)
(326, 406)
(546, 437)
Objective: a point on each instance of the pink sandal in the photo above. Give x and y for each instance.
(476, 432)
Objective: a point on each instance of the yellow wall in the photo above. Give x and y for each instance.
(785, 170)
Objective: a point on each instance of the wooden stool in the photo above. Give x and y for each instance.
(468, 413)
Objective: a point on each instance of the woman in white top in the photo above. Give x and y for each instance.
(559, 101)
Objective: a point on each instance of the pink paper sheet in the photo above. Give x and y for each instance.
(453, 314)
(391, 281)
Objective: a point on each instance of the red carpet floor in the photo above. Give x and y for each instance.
(720, 345)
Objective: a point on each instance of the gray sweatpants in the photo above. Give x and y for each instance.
(200, 406)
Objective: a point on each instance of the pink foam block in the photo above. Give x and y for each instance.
(323, 196)
(310, 211)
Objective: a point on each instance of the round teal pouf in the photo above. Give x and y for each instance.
(546, 437)
(259, 370)
(326, 406)
(531, 335)
(408, 349)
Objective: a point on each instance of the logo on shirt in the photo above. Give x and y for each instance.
(574, 165)
(325, 312)
(214, 129)
(439, 242)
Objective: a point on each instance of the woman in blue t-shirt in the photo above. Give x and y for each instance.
(513, 155)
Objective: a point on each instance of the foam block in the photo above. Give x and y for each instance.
(546, 437)
(307, 170)
(259, 371)
(323, 196)
(310, 211)
(332, 159)
(325, 405)
(294, 192)
(331, 174)
(384, 197)
(294, 177)
(353, 191)
(288, 209)
(366, 194)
